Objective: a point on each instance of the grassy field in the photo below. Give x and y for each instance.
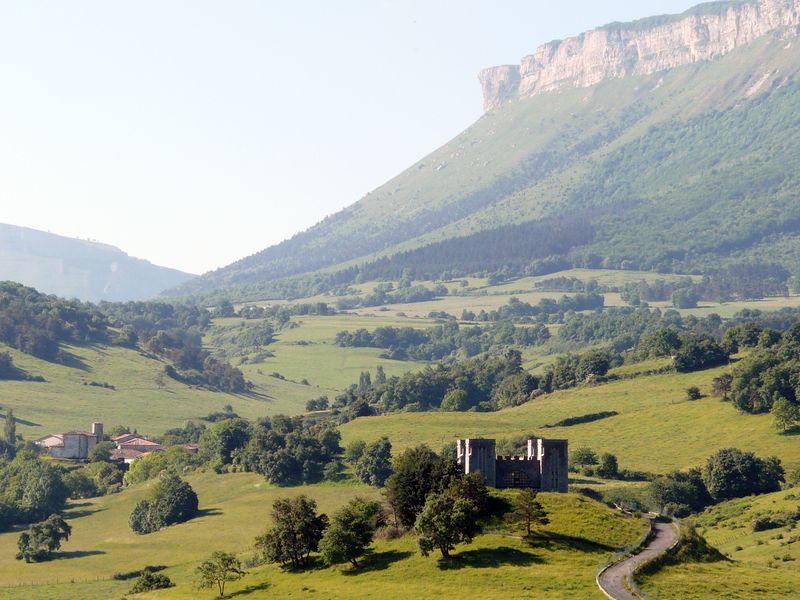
(306, 350)
(64, 402)
(656, 430)
(562, 562)
(763, 564)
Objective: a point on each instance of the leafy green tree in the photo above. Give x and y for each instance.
(471, 487)
(380, 375)
(528, 511)
(10, 428)
(608, 467)
(101, 452)
(731, 473)
(784, 413)
(41, 540)
(218, 570)
(721, 386)
(80, 484)
(354, 451)
(295, 534)
(411, 482)
(681, 493)
(455, 400)
(375, 465)
(699, 352)
(444, 522)
(350, 532)
(583, 457)
(171, 501)
(220, 441)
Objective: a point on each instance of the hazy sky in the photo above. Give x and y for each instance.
(193, 133)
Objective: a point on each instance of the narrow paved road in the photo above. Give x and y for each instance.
(612, 581)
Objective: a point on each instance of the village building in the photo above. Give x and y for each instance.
(544, 466)
(72, 444)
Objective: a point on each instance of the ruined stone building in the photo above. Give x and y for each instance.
(544, 467)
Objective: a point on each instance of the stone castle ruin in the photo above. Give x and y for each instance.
(544, 467)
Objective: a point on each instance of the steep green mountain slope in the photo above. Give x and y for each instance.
(675, 171)
(81, 269)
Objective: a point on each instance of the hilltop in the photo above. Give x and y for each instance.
(678, 170)
(74, 268)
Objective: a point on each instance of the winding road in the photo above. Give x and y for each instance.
(612, 580)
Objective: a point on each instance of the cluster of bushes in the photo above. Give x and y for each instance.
(171, 501)
(729, 473)
(385, 293)
(744, 281)
(36, 323)
(546, 310)
(570, 284)
(285, 450)
(446, 340)
(484, 383)
(768, 377)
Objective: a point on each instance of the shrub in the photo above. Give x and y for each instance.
(149, 581)
(693, 393)
(171, 501)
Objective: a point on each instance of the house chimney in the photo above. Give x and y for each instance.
(97, 431)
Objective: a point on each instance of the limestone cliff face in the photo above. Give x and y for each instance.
(639, 48)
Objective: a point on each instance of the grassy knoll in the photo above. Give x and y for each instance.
(764, 563)
(143, 398)
(562, 562)
(657, 428)
(306, 350)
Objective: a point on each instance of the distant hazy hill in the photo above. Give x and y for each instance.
(77, 268)
(679, 155)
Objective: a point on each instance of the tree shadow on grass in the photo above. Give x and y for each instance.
(209, 512)
(73, 361)
(250, 589)
(558, 541)
(794, 430)
(84, 509)
(490, 558)
(378, 561)
(76, 554)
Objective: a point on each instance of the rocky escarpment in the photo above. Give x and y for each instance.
(640, 48)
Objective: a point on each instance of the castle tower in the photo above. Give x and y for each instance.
(478, 456)
(553, 463)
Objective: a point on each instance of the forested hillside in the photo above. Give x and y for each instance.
(682, 171)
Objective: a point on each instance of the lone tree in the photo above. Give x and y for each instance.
(608, 467)
(583, 457)
(528, 511)
(444, 522)
(171, 501)
(296, 534)
(221, 568)
(350, 533)
(42, 539)
(784, 413)
(375, 464)
(731, 473)
(10, 429)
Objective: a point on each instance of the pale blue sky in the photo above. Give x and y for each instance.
(193, 133)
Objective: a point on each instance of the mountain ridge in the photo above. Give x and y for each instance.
(640, 47)
(541, 157)
(70, 267)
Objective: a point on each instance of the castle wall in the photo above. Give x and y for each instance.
(518, 472)
(478, 456)
(554, 465)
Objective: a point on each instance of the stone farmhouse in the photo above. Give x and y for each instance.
(72, 444)
(77, 445)
(544, 467)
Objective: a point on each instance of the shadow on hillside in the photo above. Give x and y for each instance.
(76, 554)
(579, 481)
(250, 589)
(795, 430)
(74, 510)
(555, 541)
(490, 558)
(21, 421)
(209, 512)
(73, 361)
(378, 561)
